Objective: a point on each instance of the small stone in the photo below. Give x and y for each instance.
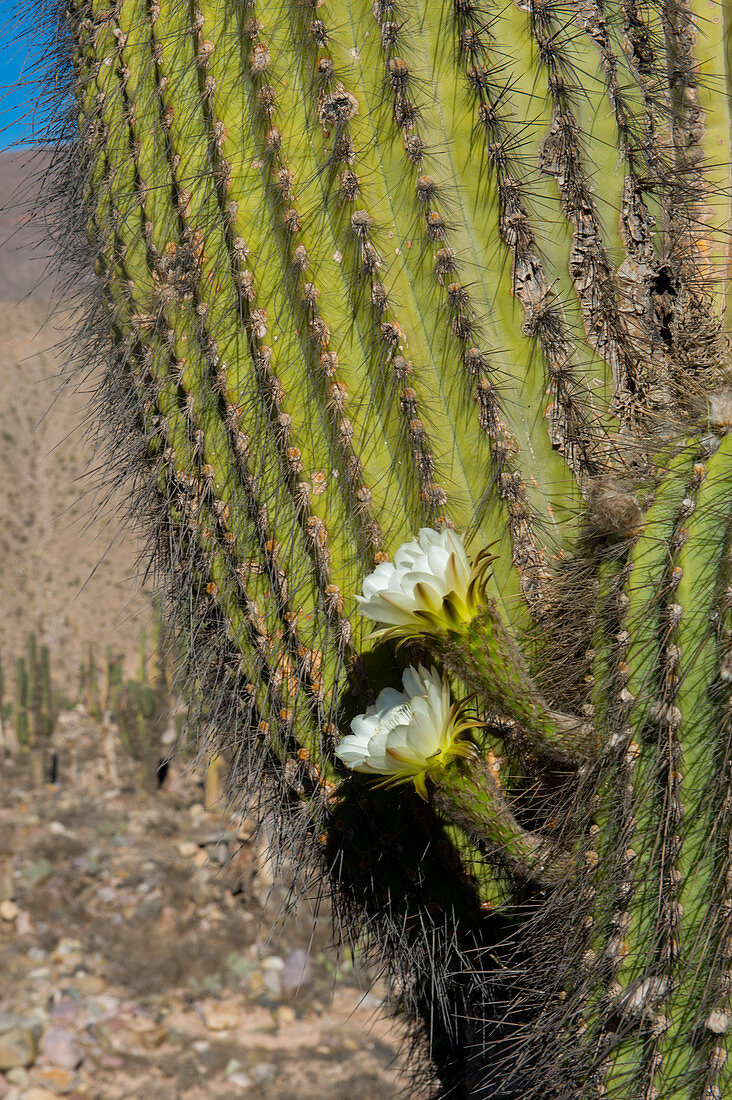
(64, 1012)
(11, 1019)
(37, 1020)
(57, 1079)
(19, 1077)
(111, 1061)
(35, 874)
(4, 1087)
(39, 1094)
(296, 972)
(256, 982)
(187, 848)
(8, 910)
(221, 1017)
(285, 1015)
(239, 1081)
(59, 1049)
(273, 962)
(17, 1048)
(102, 1005)
(201, 1046)
(70, 963)
(89, 985)
(150, 1035)
(265, 1071)
(66, 948)
(272, 983)
(23, 923)
(7, 881)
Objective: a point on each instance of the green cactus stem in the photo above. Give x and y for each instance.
(489, 662)
(90, 684)
(47, 718)
(33, 692)
(2, 701)
(20, 705)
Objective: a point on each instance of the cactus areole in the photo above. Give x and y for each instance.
(421, 306)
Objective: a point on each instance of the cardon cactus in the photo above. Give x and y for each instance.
(450, 272)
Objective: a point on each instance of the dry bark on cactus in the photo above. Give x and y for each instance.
(363, 269)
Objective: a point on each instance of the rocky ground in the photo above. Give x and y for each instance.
(138, 955)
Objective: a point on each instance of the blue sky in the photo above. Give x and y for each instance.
(17, 92)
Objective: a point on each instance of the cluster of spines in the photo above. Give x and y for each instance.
(571, 428)
(632, 363)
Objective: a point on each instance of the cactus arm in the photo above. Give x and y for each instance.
(704, 824)
(470, 796)
(490, 664)
(20, 703)
(653, 967)
(640, 978)
(220, 580)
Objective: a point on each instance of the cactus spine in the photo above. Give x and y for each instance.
(366, 268)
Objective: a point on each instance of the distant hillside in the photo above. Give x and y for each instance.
(66, 571)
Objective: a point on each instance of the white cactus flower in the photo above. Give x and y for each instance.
(405, 733)
(430, 585)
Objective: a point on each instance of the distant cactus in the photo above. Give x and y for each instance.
(89, 684)
(112, 677)
(141, 707)
(2, 701)
(33, 692)
(33, 710)
(46, 721)
(20, 706)
(366, 269)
